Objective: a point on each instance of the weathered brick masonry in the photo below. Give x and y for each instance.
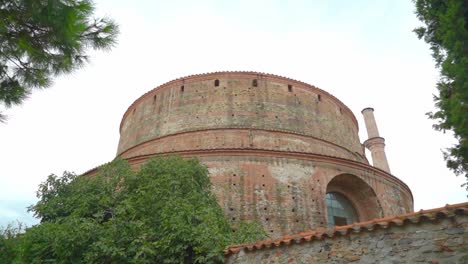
(434, 236)
(274, 147)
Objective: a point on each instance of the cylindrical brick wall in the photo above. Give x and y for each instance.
(301, 112)
(274, 147)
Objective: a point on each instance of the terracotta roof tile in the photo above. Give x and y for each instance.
(319, 234)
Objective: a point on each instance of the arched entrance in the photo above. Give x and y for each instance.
(349, 199)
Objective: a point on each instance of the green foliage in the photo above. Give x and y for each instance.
(40, 39)
(10, 238)
(446, 31)
(164, 213)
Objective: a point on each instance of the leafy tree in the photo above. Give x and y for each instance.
(164, 213)
(10, 238)
(40, 39)
(446, 31)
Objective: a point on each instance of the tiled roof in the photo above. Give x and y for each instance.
(319, 234)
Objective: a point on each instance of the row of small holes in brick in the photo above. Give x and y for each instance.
(265, 208)
(254, 84)
(263, 176)
(266, 219)
(233, 230)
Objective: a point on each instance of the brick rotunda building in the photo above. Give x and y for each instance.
(279, 151)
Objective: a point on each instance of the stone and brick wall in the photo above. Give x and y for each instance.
(274, 147)
(274, 104)
(434, 236)
(285, 192)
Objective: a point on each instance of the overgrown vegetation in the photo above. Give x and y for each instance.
(10, 242)
(164, 213)
(446, 31)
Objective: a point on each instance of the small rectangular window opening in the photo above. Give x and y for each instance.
(289, 88)
(339, 221)
(216, 83)
(319, 97)
(255, 83)
(182, 88)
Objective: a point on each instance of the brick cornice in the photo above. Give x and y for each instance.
(274, 153)
(240, 128)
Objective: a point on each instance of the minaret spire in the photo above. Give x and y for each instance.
(375, 143)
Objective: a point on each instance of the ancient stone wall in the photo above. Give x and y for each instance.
(286, 192)
(430, 239)
(272, 104)
(274, 147)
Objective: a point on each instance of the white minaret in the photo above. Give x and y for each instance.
(375, 143)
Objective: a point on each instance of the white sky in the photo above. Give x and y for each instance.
(363, 52)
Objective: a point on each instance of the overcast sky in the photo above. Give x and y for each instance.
(362, 52)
